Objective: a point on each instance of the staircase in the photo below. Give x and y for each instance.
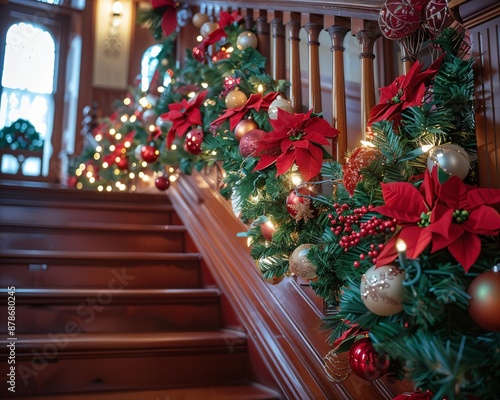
(112, 301)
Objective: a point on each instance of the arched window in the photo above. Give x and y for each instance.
(149, 63)
(28, 88)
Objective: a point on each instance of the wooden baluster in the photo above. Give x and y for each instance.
(406, 60)
(278, 67)
(338, 28)
(292, 22)
(366, 33)
(247, 18)
(313, 24)
(264, 48)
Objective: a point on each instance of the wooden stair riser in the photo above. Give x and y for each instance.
(96, 315)
(43, 274)
(50, 212)
(91, 240)
(125, 371)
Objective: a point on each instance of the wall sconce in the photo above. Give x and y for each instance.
(112, 44)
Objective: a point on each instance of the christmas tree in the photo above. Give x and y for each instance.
(400, 240)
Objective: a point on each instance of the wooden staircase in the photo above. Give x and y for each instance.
(112, 301)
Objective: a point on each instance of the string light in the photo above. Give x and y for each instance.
(133, 118)
(97, 156)
(204, 85)
(127, 144)
(112, 148)
(124, 118)
(100, 188)
(118, 136)
(98, 137)
(143, 102)
(260, 88)
(199, 38)
(79, 185)
(127, 101)
(105, 165)
(112, 131)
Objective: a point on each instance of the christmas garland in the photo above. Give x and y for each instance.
(399, 239)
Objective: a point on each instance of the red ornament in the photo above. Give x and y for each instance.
(436, 17)
(250, 141)
(149, 153)
(484, 307)
(122, 163)
(162, 183)
(298, 206)
(365, 362)
(400, 18)
(193, 141)
(360, 158)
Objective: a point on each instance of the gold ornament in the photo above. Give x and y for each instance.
(299, 263)
(336, 366)
(382, 290)
(279, 102)
(452, 159)
(246, 39)
(243, 127)
(303, 210)
(199, 19)
(207, 28)
(235, 98)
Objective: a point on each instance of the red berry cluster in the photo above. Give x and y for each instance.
(347, 224)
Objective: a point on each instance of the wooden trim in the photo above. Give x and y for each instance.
(282, 322)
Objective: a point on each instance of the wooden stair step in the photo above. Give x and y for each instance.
(105, 310)
(71, 269)
(83, 344)
(47, 364)
(84, 236)
(241, 391)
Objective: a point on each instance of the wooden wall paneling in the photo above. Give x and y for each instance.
(313, 24)
(338, 28)
(278, 66)
(482, 19)
(366, 32)
(263, 36)
(293, 26)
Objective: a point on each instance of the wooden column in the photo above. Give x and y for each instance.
(313, 25)
(247, 18)
(278, 67)
(338, 28)
(366, 33)
(264, 48)
(292, 22)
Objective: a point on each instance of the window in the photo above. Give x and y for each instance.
(28, 89)
(149, 64)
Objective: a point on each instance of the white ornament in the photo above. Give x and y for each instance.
(279, 102)
(246, 39)
(382, 290)
(299, 263)
(450, 158)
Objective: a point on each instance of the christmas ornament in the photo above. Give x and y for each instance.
(298, 206)
(400, 18)
(299, 263)
(282, 103)
(235, 98)
(484, 307)
(263, 265)
(359, 159)
(162, 183)
(267, 229)
(451, 160)
(207, 28)
(243, 127)
(436, 17)
(149, 117)
(382, 290)
(149, 153)
(336, 366)
(366, 362)
(193, 141)
(122, 162)
(138, 151)
(250, 141)
(199, 19)
(246, 39)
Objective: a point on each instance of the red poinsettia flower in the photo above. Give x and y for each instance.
(169, 15)
(406, 91)
(451, 215)
(298, 139)
(256, 102)
(183, 115)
